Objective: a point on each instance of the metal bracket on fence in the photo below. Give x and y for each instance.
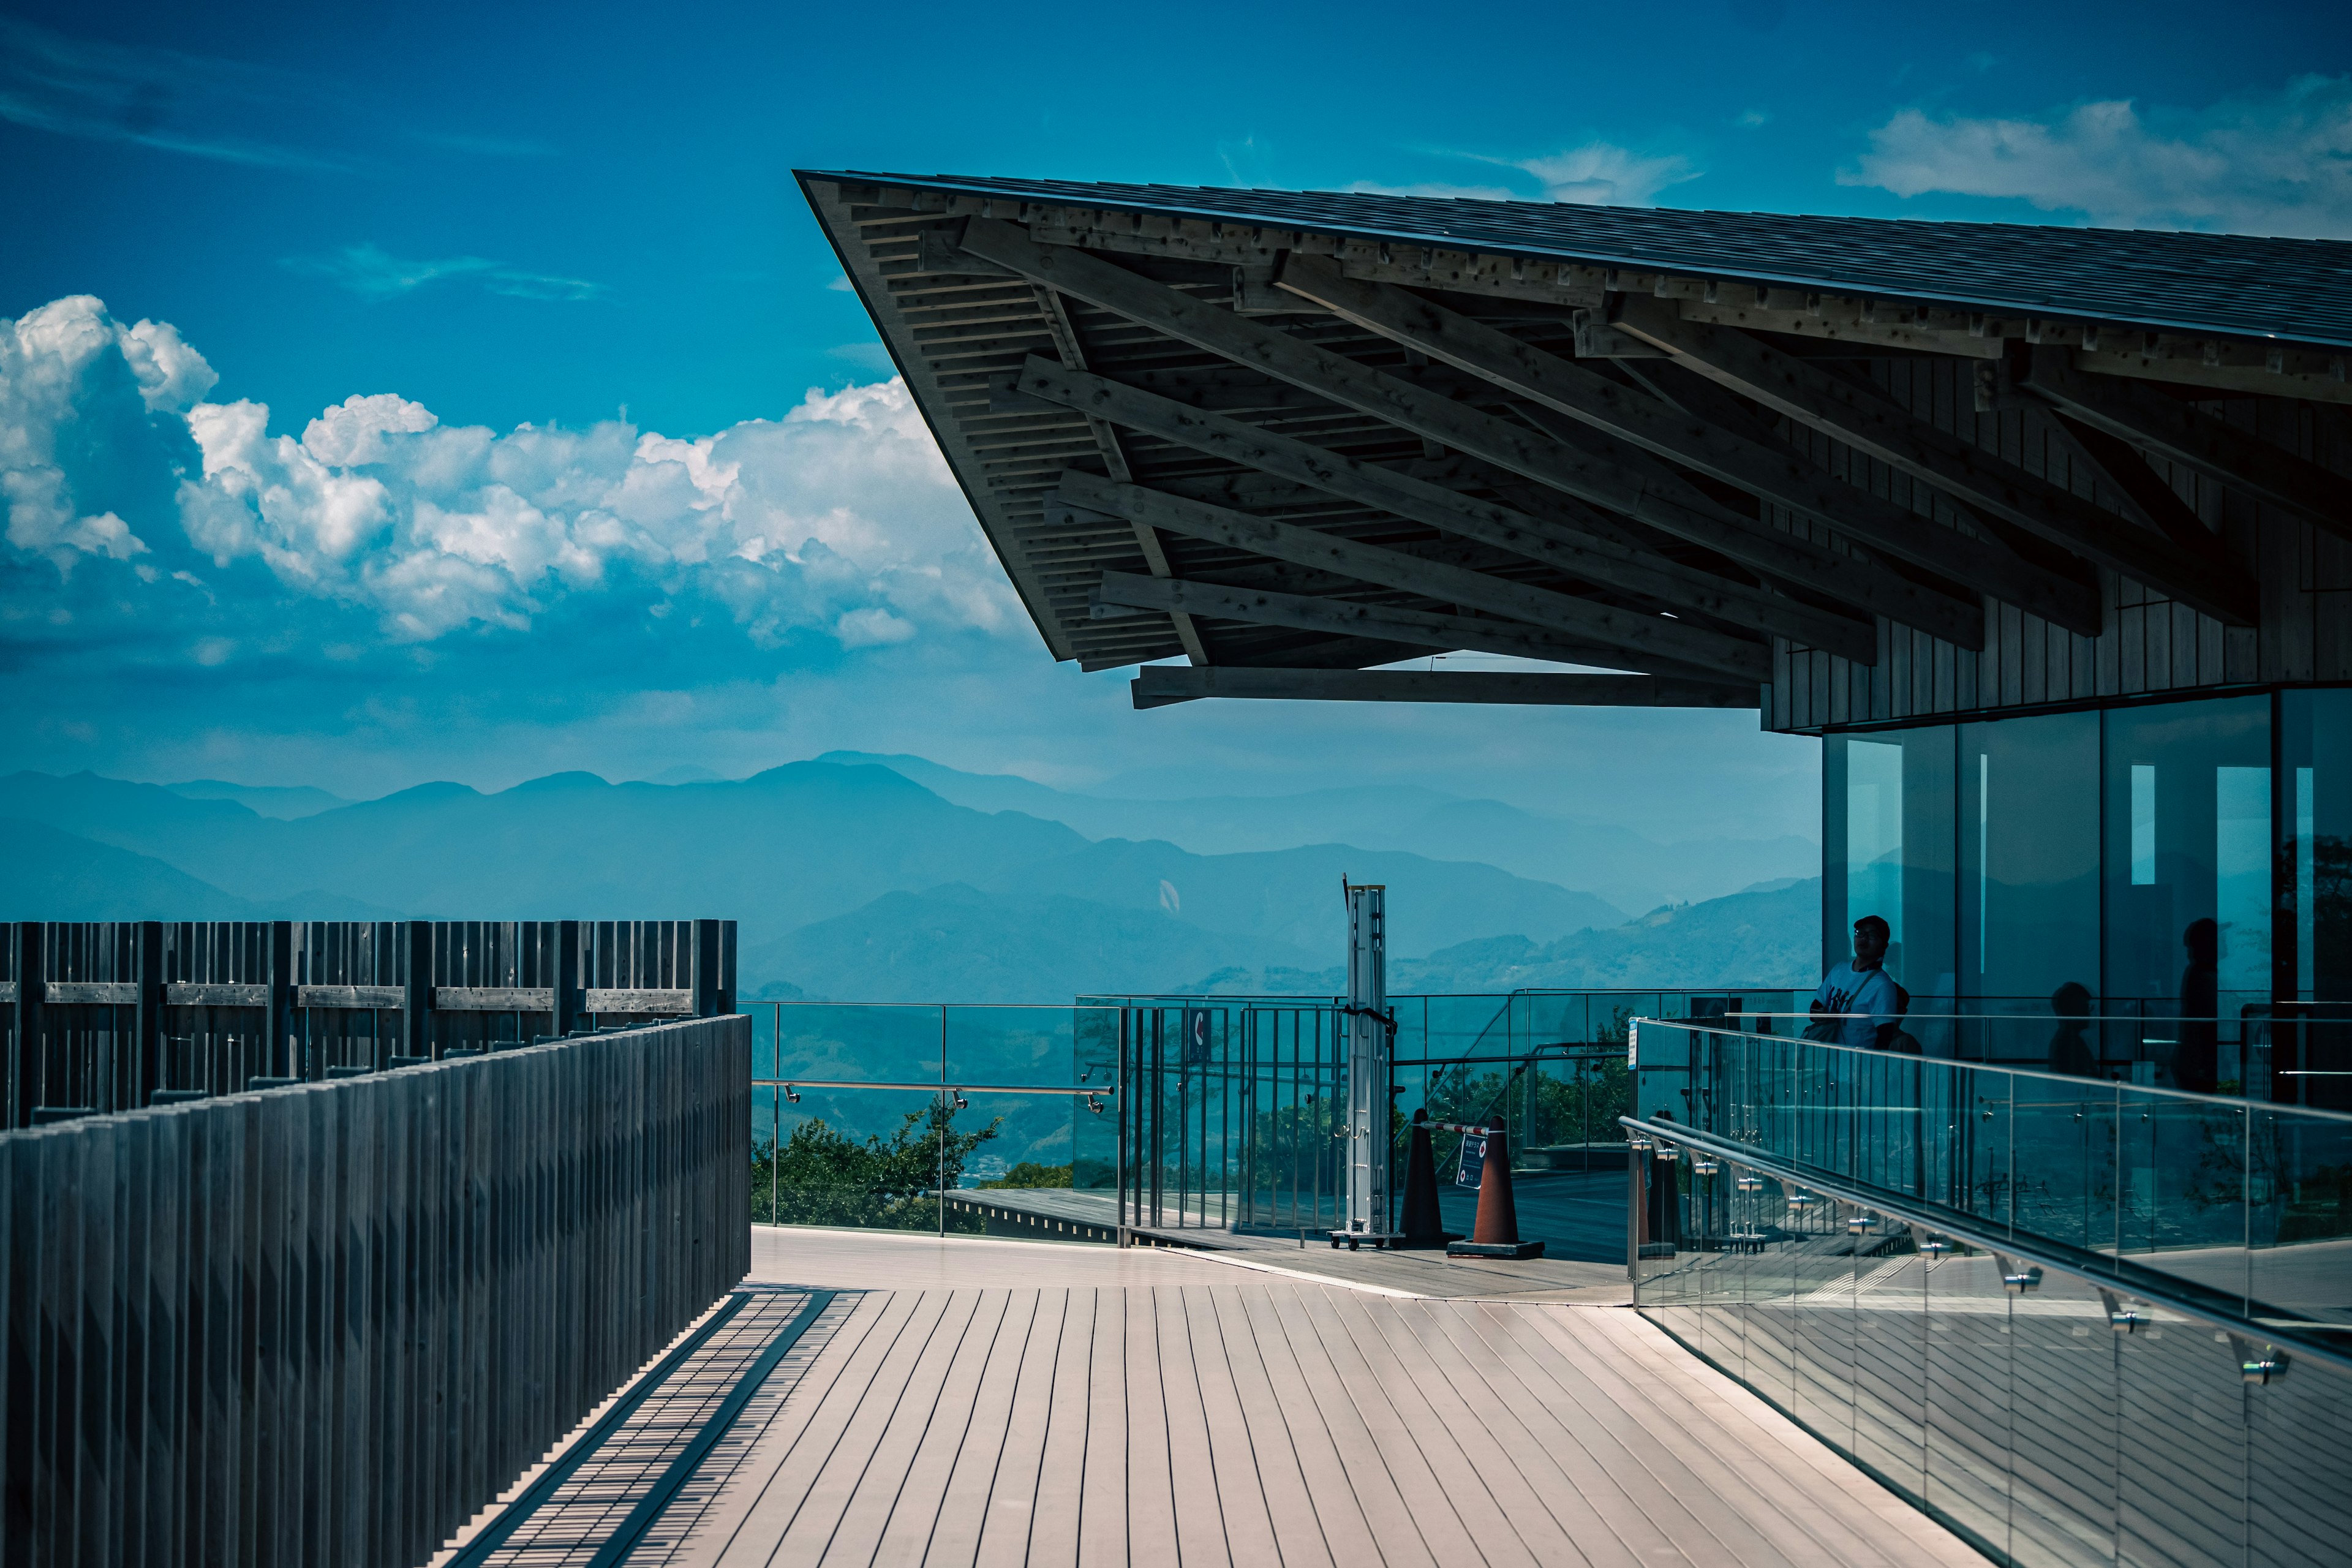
(2257, 1362)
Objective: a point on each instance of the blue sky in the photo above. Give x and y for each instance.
(621, 491)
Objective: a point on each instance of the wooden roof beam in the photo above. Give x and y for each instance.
(1775, 473)
(2172, 430)
(1159, 686)
(1875, 424)
(1419, 412)
(1586, 557)
(1657, 637)
(1347, 617)
(1114, 456)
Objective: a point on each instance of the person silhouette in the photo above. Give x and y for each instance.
(1858, 1003)
(2194, 1058)
(2069, 1052)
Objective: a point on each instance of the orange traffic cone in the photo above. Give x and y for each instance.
(1497, 1233)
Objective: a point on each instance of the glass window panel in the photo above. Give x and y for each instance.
(1887, 802)
(2030, 827)
(2189, 885)
(2314, 1054)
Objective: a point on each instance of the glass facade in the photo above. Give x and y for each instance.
(2185, 859)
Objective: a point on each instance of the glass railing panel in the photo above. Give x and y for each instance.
(866, 1042)
(867, 1159)
(1890, 1369)
(2066, 1155)
(2246, 1200)
(2299, 1191)
(1966, 1397)
(1027, 1177)
(2063, 1417)
(2180, 1494)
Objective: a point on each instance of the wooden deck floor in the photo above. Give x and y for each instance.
(1067, 1404)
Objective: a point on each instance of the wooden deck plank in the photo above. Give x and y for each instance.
(1658, 1527)
(1395, 1530)
(1259, 1419)
(1235, 1468)
(1832, 1527)
(914, 1514)
(1266, 1377)
(1448, 1517)
(1671, 1467)
(1610, 1526)
(794, 1392)
(777, 1474)
(1718, 1410)
(945, 1371)
(971, 1484)
(1053, 1537)
(1196, 1484)
(1150, 1461)
(1490, 1444)
(832, 1483)
(1102, 1499)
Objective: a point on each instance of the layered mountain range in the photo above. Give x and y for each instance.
(892, 879)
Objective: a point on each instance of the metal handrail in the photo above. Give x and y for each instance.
(939, 1086)
(2274, 1107)
(2100, 1271)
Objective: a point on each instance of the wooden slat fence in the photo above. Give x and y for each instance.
(330, 1323)
(113, 1015)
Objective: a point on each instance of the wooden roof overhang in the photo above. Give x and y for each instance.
(1288, 451)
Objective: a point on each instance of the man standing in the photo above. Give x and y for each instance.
(1861, 991)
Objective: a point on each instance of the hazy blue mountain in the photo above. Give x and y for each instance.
(283, 801)
(1616, 864)
(959, 944)
(1768, 937)
(50, 874)
(1293, 896)
(782, 849)
(859, 882)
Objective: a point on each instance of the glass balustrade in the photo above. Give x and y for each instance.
(1861, 1236)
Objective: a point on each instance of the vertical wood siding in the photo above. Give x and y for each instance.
(329, 1323)
(2149, 645)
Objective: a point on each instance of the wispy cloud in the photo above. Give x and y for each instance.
(373, 273)
(1594, 174)
(2279, 162)
(162, 98)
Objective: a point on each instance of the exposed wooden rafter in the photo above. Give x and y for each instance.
(1583, 557)
(1773, 473)
(2170, 429)
(1347, 618)
(1656, 636)
(1114, 456)
(1433, 417)
(1895, 435)
(1157, 686)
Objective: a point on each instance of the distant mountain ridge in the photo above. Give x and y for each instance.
(825, 866)
(1614, 863)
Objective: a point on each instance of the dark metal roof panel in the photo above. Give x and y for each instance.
(2298, 291)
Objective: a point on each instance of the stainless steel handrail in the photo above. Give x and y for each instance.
(936, 1086)
(2106, 1274)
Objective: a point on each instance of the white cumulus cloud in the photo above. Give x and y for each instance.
(838, 521)
(2276, 164)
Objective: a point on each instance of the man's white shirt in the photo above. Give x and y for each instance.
(1870, 997)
